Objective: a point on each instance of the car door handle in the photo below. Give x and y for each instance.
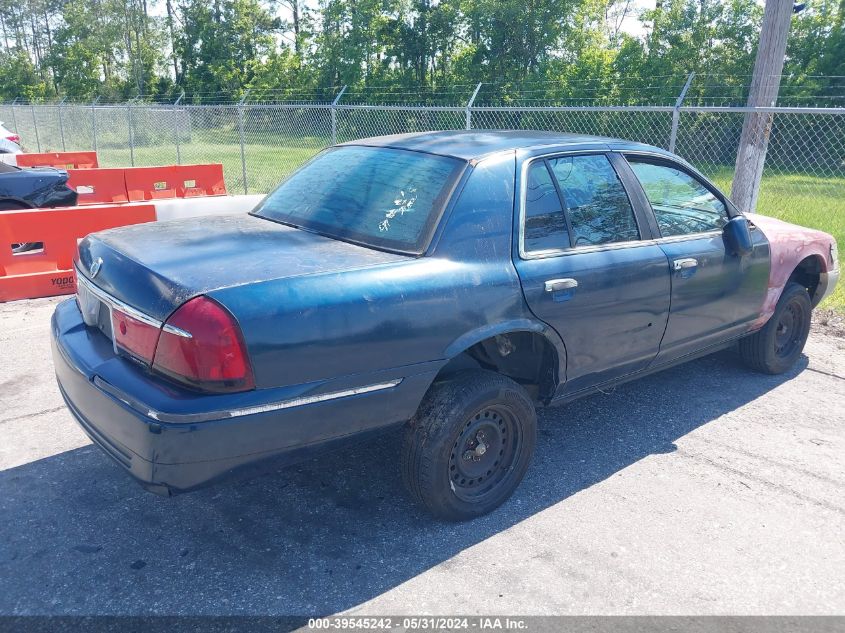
(683, 264)
(556, 285)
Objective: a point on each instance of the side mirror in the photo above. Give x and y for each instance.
(737, 236)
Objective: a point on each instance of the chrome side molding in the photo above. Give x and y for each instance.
(189, 418)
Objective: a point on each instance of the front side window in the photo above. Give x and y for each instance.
(376, 196)
(595, 200)
(681, 203)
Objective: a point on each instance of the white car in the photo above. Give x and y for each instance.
(9, 141)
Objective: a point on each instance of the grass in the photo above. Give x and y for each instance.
(806, 199)
(266, 165)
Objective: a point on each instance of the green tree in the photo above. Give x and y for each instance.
(19, 77)
(815, 64)
(223, 44)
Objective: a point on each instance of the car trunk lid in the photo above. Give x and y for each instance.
(156, 267)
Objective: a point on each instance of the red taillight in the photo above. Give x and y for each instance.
(14, 138)
(201, 345)
(135, 336)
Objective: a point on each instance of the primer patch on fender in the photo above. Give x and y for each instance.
(789, 244)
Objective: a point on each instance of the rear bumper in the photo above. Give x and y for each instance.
(172, 441)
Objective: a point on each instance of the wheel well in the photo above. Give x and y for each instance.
(527, 358)
(808, 274)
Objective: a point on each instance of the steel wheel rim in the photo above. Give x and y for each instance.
(789, 330)
(484, 453)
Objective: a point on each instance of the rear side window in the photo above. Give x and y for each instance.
(545, 223)
(573, 201)
(682, 204)
(595, 200)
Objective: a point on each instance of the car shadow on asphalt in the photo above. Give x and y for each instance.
(319, 537)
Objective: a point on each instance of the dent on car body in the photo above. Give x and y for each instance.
(789, 246)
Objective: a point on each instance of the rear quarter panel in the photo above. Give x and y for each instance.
(395, 315)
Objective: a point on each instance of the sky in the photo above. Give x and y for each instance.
(632, 24)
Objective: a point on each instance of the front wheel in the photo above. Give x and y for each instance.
(776, 347)
(469, 445)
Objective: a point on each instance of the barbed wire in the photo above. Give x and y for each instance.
(715, 89)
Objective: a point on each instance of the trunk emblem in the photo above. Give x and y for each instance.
(95, 266)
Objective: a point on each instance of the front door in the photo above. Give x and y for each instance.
(589, 269)
(716, 295)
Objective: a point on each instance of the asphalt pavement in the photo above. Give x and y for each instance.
(706, 489)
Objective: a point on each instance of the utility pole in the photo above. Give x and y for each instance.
(751, 155)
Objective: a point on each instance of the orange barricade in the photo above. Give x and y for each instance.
(200, 180)
(150, 183)
(98, 186)
(62, 160)
(49, 271)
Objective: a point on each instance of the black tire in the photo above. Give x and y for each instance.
(776, 347)
(468, 446)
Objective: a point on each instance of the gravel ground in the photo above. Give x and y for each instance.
(706, 489)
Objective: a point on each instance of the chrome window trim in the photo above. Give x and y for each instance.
(189, 418)
(572, 250)
(595, 248)
(688, 236)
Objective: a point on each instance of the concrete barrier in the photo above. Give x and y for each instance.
(198, 207)
(60, 160)
(47, 271)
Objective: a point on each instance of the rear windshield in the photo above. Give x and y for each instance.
(376, 196)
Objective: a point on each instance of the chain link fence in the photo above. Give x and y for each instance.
(259, 144)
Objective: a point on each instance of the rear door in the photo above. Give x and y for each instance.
(589, 266)
(716, 295)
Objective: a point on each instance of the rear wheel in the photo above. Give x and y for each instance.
(776, 347)
(469, 445)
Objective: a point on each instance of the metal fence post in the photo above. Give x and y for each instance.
(469, 106)
(94, 122)
(176, 128)
(131, 135)
(62, 124)
(334, 114)
(15, 117)
(241, 134)
(35, 125)
(676, 113)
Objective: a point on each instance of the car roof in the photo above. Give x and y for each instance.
(475, 144)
